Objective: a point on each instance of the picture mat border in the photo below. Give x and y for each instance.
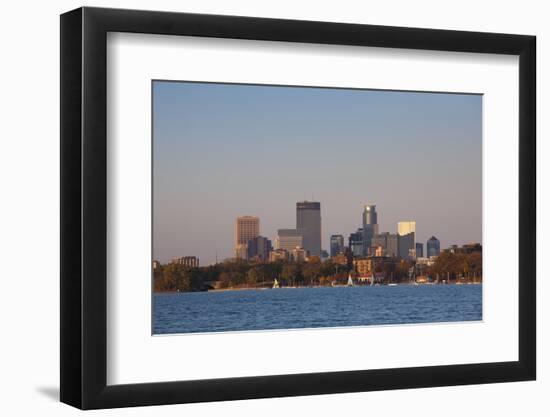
(83, 202)
(129, 297)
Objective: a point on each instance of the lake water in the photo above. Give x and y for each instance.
(292, 308)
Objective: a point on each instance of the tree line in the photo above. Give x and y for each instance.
(236, 273)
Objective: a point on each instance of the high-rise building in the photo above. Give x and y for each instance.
(259, 248)
(308, 222)
(289, 239)
(404, 228)
(433, 247)
(355, 242)
(419, 250)
(406, 231)
(246, 228)
(389, 242)
(370, 226)
(336, 245)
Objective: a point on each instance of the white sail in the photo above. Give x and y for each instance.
(350, 281)
(275, 283)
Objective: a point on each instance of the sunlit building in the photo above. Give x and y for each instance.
(298, 254)
(289, 239)
(246, 228)
(363, 267)
(406, 231)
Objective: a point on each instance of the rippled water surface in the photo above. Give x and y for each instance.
(291, 308)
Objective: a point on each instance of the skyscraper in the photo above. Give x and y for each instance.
(406, 231)
(259, 248)
(355, 242)
(370, 226)
(289, 239)
(308, 222)
(432, 247)
(336, 245)
(246, 228)
(419, 250)
(389, 243)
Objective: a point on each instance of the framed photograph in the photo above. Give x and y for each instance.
(256, 208)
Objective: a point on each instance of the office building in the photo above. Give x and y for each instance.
(355, 242)
(289, 239)
(336, 245)
(258, 248)
(389, 242)
(406, 231)
(419, 250)
(189, 261)
(433, 247)
(370, 226)
(246, 228)
(308, 221)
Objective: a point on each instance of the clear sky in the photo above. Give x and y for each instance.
(226, 150)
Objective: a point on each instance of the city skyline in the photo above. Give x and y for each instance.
(222, 151)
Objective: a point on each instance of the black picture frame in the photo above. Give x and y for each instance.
(84, 207)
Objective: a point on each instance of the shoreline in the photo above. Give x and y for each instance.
(218, 290)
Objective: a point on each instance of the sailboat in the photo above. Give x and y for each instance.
(276, 284)
(350, 281)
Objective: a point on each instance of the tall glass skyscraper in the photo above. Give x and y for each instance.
(432, 247)
(370, 226)
(308, 222)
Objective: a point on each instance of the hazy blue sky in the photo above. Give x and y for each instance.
(222, 150)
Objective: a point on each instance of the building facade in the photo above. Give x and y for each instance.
(299, 254)
(259, 248)
(355, 242)
(336, 245)
(370, 226)
(419, 250)
(363, 267)
(246, 228)
(289, 239)
(389, 242)
(407, 245)
(433, 247)
(308, 221)
(278, 255)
